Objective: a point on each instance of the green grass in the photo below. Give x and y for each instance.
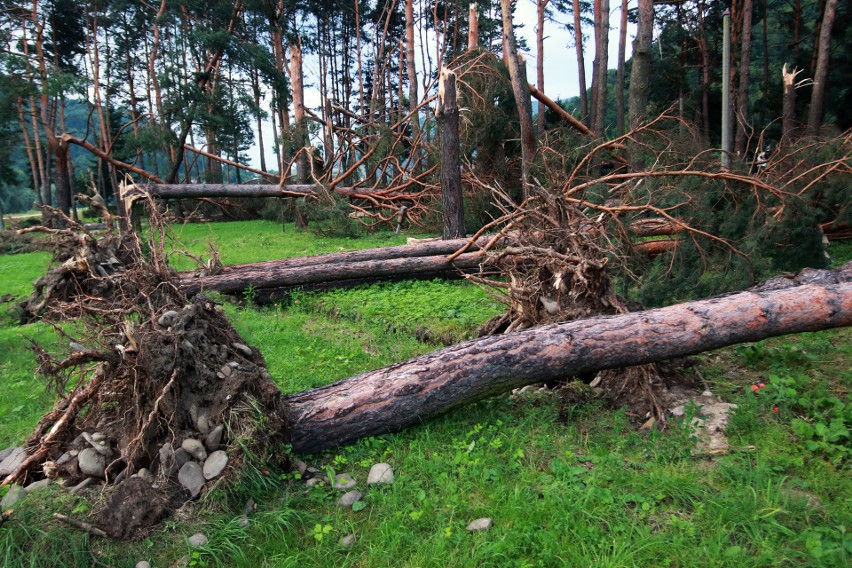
(254, 241)
(575, 486)
(436, 311)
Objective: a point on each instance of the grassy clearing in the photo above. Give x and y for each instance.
(254, 241)
(564, 486)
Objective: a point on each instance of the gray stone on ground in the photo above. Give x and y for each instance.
(226, 370)
(314, 481)
(349, 498)
(99, 436)
(243, 349)
(100, 446)
(91, 462)
(82, 485)
(181, 457)
(348, 541)
(15, 494)
(191, 476)
(196, 540)
(300, 466)
(143, 564)
(479, 525)
(380, 473)
(145, 473)
(215, 464)
(64, 458)
(167, 319)
(5, 453)
(168, 462)
(36, 485)
(344, 481)
(194, 448)
(12, 460)
(244, 521)
(214, 438)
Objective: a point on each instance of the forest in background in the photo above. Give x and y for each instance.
(178, 91)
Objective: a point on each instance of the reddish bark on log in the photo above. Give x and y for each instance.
(395, 397)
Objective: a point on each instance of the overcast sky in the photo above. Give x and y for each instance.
(560, 62)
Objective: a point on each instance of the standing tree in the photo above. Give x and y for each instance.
(640, 73)
(821, 68)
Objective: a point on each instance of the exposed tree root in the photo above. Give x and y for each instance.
(150, 371)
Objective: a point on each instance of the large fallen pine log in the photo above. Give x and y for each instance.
(404, 394)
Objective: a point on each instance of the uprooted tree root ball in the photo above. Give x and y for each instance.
(156, 387)
(557, 270)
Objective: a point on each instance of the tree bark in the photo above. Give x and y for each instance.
(581, 62)
(788, 114)
(334, 274)
(540, 7)
(560, 112)
(405, 394)
(473, 27)
(742, 86)
(619, 72)
(520, 88)
(640, 74)
(447, 115)
(821, 72)
(300, 138)
(599, 80)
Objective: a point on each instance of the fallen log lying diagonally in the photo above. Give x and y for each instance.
(404, 394)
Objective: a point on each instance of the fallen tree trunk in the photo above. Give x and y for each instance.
(190, 191)
(422, 261)
(395, 397)
(282, 275)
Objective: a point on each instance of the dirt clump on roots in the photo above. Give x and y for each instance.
(159, 398)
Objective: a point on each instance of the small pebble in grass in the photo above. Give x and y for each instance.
(196, 540)
(143, 564)
(380, 473)
(480, 525)
(348, 541)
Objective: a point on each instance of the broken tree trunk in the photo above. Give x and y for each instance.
(395, 397)
(189, 191)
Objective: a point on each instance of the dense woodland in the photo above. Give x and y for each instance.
(177, 91)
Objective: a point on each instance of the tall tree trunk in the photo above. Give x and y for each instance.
(473, 27)
(619, 73)
(413, 97)
(640, 74)
(742, 86)
(821, 73)
(581, 63)
(301, 126)
(599, 81)
(705, 75)
(521, 90)
(447, 115)
(540, 7)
